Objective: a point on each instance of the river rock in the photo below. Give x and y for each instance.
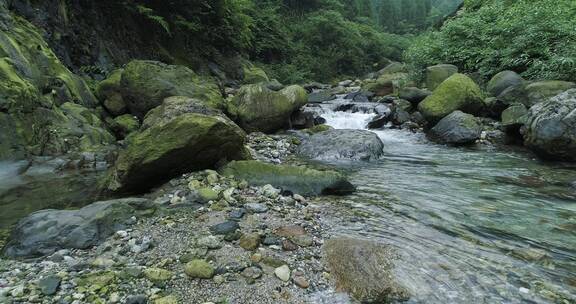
(180, 136)
(145, 85)
(414, 95)
(225, 227)
(457, 128)
(515, 116)
(530, 94)
(256, 207)
(364, 269)
(283, 273)
(49, 285)
(250, 241)
(436, 74)
(257, 108)
(199, 269)
(386, 84)
(393, 67)
(47, 231)
(297, 179)
(320, 97)
(253, 74)
(342, 145)
(458, 92)
(550, 128)
(502, 81)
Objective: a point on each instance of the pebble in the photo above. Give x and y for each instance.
(301, 282)
(252, 273)
(283, 273)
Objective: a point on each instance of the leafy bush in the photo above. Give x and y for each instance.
(534, 38)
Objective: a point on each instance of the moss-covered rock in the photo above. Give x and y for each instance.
(317, 129)
(158, 274)
(33, 86)
(199, 269)
(436, 74)
(392, 68)
(458, 92)
(253, 74)
(296, 94)
(125, 124)
(175, 138)
(514, 116)
(297, 179)
(257, 108)
(145, 84)
(109, 86)
(532, 93)
(387, 84)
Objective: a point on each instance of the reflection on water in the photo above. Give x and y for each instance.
(472, 225)
(27, 187)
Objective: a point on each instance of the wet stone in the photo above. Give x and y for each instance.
(270, 240)
(225, 227)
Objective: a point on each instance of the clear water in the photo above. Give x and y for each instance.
(472, 225)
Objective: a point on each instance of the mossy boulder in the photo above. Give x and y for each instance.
(515, 116)
(145, 84)
(458, 92)
(392, 68)
(413, 95)
(108, 91)
(297, 179)
(257, 108)
(296, 94)
(124, 125)
(386, 84)
(502, 81)
(253, 74)
(180, 136)
(317, 129)
(458, 128)
(436, 74)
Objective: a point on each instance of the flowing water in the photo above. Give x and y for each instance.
(471, 225)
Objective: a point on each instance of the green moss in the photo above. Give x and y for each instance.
(435, 75)
(110, 85)
(387, 84)
(458, 92)
(318, 129)
(253, 74)
(199, 269)
(296, 94)
(127, 123)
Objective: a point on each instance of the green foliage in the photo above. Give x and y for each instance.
(536, 39)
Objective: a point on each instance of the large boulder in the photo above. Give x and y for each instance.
(257, 108)
(394, 67)
(458, 128)
(550, 128)
(145, 84)
(47, 231)
(342, 145)
(297, 179)
(502, 81)
(436, 74)
(364, 269)
(530, 94)
(320, 97)
(108, 91)
(458, 92)
(181, 135)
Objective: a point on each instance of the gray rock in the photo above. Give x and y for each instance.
(502, 81)
(47, 231)
(319, 97)
(414, 95)
(49, 285)
(364, 269)
(514, 116)
(137, 299)
(550, 128)
(342, 145)
(256, 207)
(237, 214)
(458, 128)
(225, 227)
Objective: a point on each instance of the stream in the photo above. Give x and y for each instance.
(471, 225)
